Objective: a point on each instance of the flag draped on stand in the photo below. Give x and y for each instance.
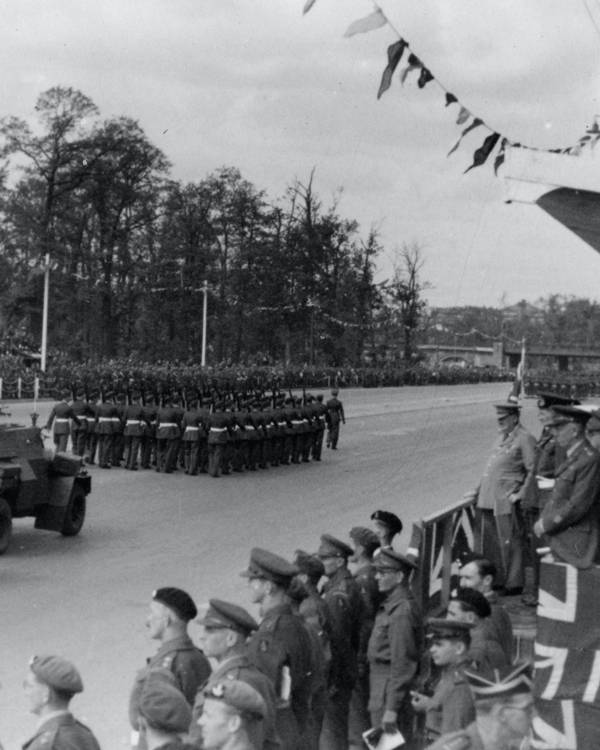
(567, 649)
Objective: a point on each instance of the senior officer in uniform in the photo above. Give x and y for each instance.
(506, 480)
(60, 415)
(570, 519)
(395, 646)
(226, 628)
(281, 646)
(503, 712)
(231, 709)
(342, 595)
(170, 611)
(50, 684)
(163, 716)
(450, 708)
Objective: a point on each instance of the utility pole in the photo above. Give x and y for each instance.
(205, 290)
(45, 311)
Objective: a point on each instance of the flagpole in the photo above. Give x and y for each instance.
(45, 311)
(205, 308)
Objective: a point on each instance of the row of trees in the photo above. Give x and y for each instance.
(130, 250)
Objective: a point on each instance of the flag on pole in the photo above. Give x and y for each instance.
(517, 391)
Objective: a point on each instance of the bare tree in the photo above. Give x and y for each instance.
(406, 290)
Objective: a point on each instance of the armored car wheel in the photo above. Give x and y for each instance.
(5, 525)
(75, 512)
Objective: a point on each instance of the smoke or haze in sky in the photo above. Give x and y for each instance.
(255, 85)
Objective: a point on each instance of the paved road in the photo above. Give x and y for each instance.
(410, 450)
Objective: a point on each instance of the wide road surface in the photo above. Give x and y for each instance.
(410, 450)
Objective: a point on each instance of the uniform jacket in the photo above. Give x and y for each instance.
(371, 598)
(465, 739)
(548, 456)
(263, 734)
(499, 626)
(451, 707)
(510, 469)
(105, 413)
(192, 426)
(486, 651)
(336, 411)
(134, 415)
(62, 412)
(168, 421)
(283, 641)
(343, 597)
(570, 517)
(62, 732)
(149, 421)
(188, 664)
(82, 411)
(395, 644)
(218, 427)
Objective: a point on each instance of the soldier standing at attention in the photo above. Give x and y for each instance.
(343, 597)
(170, 611)
(281, 646)
(450, 708)
(118, 445)
(167, 437)
(92, 433)
(60, 415)
(148, 431)
(191, 425)
(50, 684)
(335, 411)
(365, 543)
(218, 435)
(79, 432)
(320, 411)
(134, 419)
(394, 647)
(105, 414)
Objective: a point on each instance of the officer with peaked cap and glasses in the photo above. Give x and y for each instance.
(231, 709)
(509, 472)
(503, 712)
(450, 708)
(569, 519)
(281, 646)
(50, 684)
(386, 525)
(395, 646)
(163, 716)
(225, 629)
(343, 597)
(471, 606)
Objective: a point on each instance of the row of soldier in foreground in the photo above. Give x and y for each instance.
(322, 668)
(206, 436)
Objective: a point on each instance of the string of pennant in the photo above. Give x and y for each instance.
(396, 52)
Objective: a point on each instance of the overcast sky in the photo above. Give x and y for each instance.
(255, 85)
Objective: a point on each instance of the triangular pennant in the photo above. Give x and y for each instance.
(499, 160)
(463, 116)
(373, 21)
(480, 156)
(450, 99)
(424, 78)
(308, 5)
(394, 53)
(413, 64)
(476, 122)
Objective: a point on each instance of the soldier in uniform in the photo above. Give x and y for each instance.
(118, 441)
(335, 410)
(203, 445)
(218, 435)
(450, 708)
(170, 611)
(365, 543)
(226, 628)
(106, 413)
(569, 520)
(92, 433)
(343, 597)
(79, 432)
(192, 427)
(163, 715)
(50, 684)
(505, 482)
(168, 430)
(503, 712)
(386, 525)
(320, 411)
(281, 646)
(134, 416)
(394, 647)
(61, 413)
(469, 605)
(148, 437)
(231, 710)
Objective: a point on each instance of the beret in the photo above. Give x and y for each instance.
(473, 600)
(165, 707)
(57, 672)
(332, 547)
(391, 520)
(390, 559)
(547, 400)
(265, 564)
(501, 683)
(449, 629)
(566, 414)
(146, 676)
(222, 614)
(239, 695)
(177, 600)
(309, 564)
(364, 536)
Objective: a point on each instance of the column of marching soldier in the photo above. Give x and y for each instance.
(198, 434)
(321, 667)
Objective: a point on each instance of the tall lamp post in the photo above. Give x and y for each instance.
(204, 315)
(46, 268)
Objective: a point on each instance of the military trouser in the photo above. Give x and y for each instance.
(297, 444)
(333, 435)
(253, 451)
(306, 448)
(360, 719)
(118, 447)
(78, 441)
(132, 447)
(317, 447)
(146, 451)
(264, 453)
(203, 455)
(288, 446)
(60, 442)
(104, 449)
(92, 445)
(191, 456)
(215, 454)
(241, 456)
(287, 729)
(334, 735)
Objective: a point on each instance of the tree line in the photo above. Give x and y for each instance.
(130, 249)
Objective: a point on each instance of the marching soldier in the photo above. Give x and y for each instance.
(60, 415)
(335, 411)
(320, 412)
